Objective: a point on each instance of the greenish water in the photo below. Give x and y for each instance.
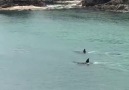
(38, 48)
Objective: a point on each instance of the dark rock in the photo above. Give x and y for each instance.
(120, 7)
(42, 4)
(6, 5)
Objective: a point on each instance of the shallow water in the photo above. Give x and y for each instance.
(38, 48)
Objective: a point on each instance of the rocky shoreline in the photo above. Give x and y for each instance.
(70, 5)
(57, 5)
(31, 7)
(114, 8)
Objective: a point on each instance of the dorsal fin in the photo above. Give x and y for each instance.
(87, 61)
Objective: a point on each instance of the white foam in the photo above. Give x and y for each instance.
(91, 51)
(95, 62)
(100, 63)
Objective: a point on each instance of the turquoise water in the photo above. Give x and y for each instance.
(38, 50)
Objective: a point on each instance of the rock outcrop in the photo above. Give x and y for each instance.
(8, 3)
(108, 5)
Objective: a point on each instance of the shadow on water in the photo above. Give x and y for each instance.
(16, 14)
(83, 15)
(75, 14)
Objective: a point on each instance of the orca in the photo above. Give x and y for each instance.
(87, 62)
(84, 51)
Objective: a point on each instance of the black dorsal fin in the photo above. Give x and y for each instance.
(87, 61)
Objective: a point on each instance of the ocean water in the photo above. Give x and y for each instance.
(38, 50)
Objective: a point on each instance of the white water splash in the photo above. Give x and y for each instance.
(92, 52)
